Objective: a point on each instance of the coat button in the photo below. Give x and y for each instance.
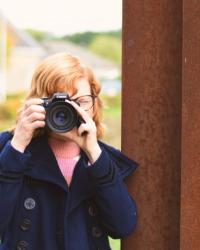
(29, 203)
(22, 245)
(96, 232)
(92, 210)
(25, 224)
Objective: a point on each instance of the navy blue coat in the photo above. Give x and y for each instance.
(39, 211)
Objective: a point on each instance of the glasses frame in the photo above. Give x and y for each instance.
(93, 99)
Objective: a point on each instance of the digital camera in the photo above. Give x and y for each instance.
(60, 115)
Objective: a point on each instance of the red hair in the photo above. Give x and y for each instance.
(58, 73)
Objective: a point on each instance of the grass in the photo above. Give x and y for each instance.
(115, 244)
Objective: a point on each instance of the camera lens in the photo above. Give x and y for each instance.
(61, 117)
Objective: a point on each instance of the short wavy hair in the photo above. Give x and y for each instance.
(58, 73)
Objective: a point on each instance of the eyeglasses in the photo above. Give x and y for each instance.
(86, 101)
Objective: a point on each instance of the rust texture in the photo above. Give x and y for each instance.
(190, 173)
(151, 119)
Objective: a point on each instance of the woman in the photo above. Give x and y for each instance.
(62, 190)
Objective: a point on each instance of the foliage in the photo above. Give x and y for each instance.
(86, 38)
(40, 35)
(115, 244)
(16, 96)
(112, 120)
(8, 110)
(111, 102)
(107, 47)
(5, 113)
(106, 44)
(83, 39)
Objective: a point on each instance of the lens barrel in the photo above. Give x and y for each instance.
(61, 116)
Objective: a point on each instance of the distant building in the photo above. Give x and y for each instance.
(20, 53)
(103, 68)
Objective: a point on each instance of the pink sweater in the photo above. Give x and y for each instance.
(67, 154)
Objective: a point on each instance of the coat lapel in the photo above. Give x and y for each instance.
(81, 186)
(44, 166)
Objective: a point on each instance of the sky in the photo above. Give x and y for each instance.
(62, 17)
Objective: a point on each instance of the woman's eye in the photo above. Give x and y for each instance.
(84, 100)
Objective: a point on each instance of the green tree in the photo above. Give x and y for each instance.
(86, 38)
(83, 39)
(107, 47)
(40, 35)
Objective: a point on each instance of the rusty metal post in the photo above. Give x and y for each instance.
(151, 118)
(190, 173)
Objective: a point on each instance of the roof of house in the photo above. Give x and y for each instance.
(21, 37)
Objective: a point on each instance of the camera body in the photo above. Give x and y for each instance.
(60, 115)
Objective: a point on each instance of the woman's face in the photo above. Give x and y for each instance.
(83, 89)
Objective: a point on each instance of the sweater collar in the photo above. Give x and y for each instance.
(44, 166)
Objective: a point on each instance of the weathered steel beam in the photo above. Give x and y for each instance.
(151, 118)
(190, 173)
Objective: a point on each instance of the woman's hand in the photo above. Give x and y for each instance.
(31, 117)
(85, 135)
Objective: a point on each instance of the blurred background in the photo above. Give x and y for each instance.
(32, 30)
